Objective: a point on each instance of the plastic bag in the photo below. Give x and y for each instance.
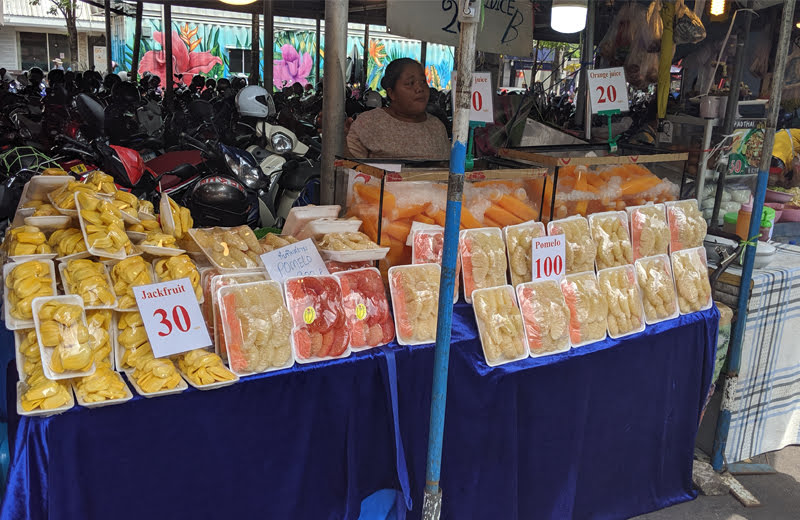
(625, 312)
(691, 280)
(686, 225)
(415, 300)
(581, 249)
(320, 329)
(426, 248)
(366, 307)
(177, 267)
(654, 276)
(649, 231)
(546, 317)
(610, 234)
(499, 324)
(617, 42)
(587, 308)
(90, 281)
(518, 242)
(133, 348)
(63, 337)
(98, 323)
(688, 26)
(229, 248)
(483, 259)
(215, 282)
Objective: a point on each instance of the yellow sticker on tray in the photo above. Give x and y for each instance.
(309, 315)
(361, 311)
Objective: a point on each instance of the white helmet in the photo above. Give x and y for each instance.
(123, 76)
(255, 101)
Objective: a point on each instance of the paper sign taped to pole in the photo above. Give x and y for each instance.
(481, 107)
(507, 26)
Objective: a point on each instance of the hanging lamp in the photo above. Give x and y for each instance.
(568, 16)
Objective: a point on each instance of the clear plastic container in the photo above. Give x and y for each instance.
(624, 298)
(300, 216)
(499, 325)
(546, 317)
(650, 234)
(320, 327)
(87, 289)
(257, 327)
(415, 300)
(483, 259)
(587, 308)
(229, 249)
(654, 275)
(14, 321)
(610, 234)
(581, 249)
(690, 268)
(68, 337)
(519, 239)
(687, 226)
(426, 248)
(366, 307)
(215, 282)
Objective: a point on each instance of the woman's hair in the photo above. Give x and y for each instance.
(394, 70)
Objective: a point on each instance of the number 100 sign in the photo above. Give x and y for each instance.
(548, 258)
(172, 317)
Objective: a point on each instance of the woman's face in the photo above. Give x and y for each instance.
(410, 93)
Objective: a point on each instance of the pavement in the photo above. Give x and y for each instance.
(779, 494)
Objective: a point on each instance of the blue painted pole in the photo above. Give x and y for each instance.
(469, 15)
(737, 335)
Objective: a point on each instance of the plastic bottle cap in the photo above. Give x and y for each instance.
(748, 208)
(730, 218)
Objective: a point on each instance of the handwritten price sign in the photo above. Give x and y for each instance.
(172, 317)
(548, 258)
(608, 90)
(298, 259)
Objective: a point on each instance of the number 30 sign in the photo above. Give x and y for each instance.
(172, 318)
(608, 90)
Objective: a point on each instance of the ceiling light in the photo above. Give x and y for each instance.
(237, 2)
(717, 7)
(568, 16)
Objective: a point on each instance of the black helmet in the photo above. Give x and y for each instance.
(223, 84)
(238, 83)
(35, 75)
(110, 80)
(125, 93)
(198, 81)
(211, 83)
(55, 76)
(218, 201)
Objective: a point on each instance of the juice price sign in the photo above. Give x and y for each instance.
(608, 90)
(172, 317)
(548, 258)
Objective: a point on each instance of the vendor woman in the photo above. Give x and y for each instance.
(403, 129)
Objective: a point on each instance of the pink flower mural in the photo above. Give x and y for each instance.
(292, 68)
(184, 61)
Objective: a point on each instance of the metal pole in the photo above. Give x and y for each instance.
(269, 45)
(366, 55)
(170, 79)
(333, 100)
(137, 42)
(469, 16)
(255, 51)
(316, 58)
(587, 52)
(737, 335)
(732, 107)
(109, 68)
(423, 54)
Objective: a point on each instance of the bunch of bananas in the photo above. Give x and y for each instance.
(203, 367)
(103, 225)
(25, 282)
(45, 395)
(181, 217)
(61, 327)
(103, 385)
(26, 240)
(155, 375)
(133, 338)
(145, 206)
(177, 267)
(155, 238)
(146, 226)
(88, 280)
(99, 324)
(126, 202)
(54, 171)
(101, 182)
(67, 241)
(64, 197)
(32, 357)
(127, 274)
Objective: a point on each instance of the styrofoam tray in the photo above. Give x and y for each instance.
(360, 255)
(178, 389)
(161, 251)
(128, 218)
(520, 300)
(13, 323)
(631, 271)
(136, 236)
(566, 280)
(69, 212)
(24, 258)
(258, 267)
(74, 256)
(300, 216)
(525, 351)
(622, 216)
(21, 389)
(157, 279)
(323, 226)
(62, 266)
(525, 225)
(107, 402)
(119, 255)
(701, 254)
(165, 210)
(401, 340)
(145, 216)
(210, 386)
(110, 266)
(665, 262)
(18, 357)
(47, 352)
(349, 318)
(50, 223)
(40, 186)
(462, 249)
(218, 333)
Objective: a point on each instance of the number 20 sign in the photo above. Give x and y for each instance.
(172, 317)
(548, 258)
(608, 90)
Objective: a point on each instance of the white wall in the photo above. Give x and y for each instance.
(9, 58)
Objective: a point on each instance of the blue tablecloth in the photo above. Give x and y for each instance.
(603, 431)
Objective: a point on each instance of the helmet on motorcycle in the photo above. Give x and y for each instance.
(211, 83)
(35, 75)
(238, 83)
(223, 84)
(255, 101)
(373, 99)
(123, 76)
(125, 93)
(110, 80)
(218, 201)
(198, 81)
(55, 76)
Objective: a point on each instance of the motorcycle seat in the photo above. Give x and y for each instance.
(182, 171)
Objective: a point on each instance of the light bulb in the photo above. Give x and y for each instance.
(568, 16)
(717, 7)
(237, 2)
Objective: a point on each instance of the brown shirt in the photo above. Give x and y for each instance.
(375, 133)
